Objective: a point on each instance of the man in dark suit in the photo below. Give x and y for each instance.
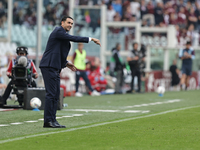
(53, 60)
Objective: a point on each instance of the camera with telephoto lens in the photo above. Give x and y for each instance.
(21, 77)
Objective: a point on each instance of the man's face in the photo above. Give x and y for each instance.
(187, 46)
(135, 46)
(67, 24)
(80, 46)
(118, 47)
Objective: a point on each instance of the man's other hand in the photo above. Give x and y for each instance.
(71, 66)
(97, 41)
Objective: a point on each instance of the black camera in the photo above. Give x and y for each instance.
(21, 78)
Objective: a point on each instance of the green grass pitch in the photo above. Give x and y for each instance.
(131, 121)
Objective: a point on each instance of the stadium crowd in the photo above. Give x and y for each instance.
(185, 14)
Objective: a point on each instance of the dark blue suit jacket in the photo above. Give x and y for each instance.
(57, 49)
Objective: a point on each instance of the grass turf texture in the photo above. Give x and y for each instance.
(176, 130)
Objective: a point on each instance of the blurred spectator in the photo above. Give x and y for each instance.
(83, 2)
(135, 59)
(182, 34)
(190, 36)
(5, 3)
(135, 8)
(108, 77)
(49, 14)
(96, 76)
(186, 55)
(188, 7)
(110, 13)
(175, 80)
(158, 12)
(181, 4)
(192, 19)
(146, 15)
(95, 20)
(79, 61)
(172, 19)
(169, 7)
(197, 13)
(17, 14)
(182, 18)
(2, 15)
(128, 14)
(118, 68)
(150, 8)
(178, 34)
(2, 9)
(116, 30)
(143, 8)
(31, 20)
(65, 5)
(31, 9)
(117, 6)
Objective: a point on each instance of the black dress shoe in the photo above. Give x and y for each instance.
(49, 125)
(58, 125)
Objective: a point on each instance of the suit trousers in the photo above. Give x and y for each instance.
(51, 78)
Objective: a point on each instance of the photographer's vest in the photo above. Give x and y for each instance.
(79, 61)
(137, 64)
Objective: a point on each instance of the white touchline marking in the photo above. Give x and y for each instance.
(67, 116)
(95, 125)
(78, 115)
(91, 110)
(144, 104)
(146, 111)
(96, 110)
(156, 103)
(16, 123)
(132, 111)
(31, 121)
(4, 125)
(6, 109)
(58, 117)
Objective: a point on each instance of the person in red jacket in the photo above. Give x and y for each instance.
(97, 80)
(21, 51)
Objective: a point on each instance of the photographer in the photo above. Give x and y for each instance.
(136, 60)
(21, 52)
(118, 68)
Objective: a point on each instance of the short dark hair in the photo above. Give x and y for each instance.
(64, 18)
(188, 43)
(117, 44)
